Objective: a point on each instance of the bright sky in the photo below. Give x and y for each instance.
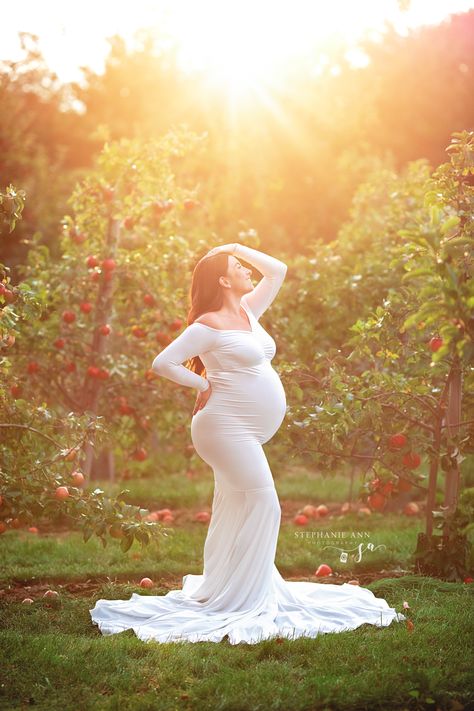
(229, 38)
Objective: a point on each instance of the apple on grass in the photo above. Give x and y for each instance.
(323, 570)
(203, 516)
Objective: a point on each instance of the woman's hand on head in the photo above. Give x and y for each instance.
(202, 398)
(222, 248)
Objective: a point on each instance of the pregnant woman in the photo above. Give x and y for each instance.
(240, 406)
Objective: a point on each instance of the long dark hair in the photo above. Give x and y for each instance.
(205, 294)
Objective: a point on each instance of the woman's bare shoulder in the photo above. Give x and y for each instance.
(209, 319)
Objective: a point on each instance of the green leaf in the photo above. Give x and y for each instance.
(126, 542)
(448, 224)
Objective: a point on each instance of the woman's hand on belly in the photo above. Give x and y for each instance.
(202, 398)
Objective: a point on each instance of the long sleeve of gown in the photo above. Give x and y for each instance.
(273, 270)
(194, 341)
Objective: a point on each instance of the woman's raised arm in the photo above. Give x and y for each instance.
(194, 341)
(273, 270)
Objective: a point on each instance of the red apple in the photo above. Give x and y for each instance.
(140, 454)
(92, 261)
(103, 373)
(86, 307)
(387, 488)
(152, 516)
(377, 501)
(176, 324)
(397, 441)
(310, 511)
(300, 520)
(139, 332)
(16, 390)
(33, 367)
(62, 492)
(411, 509)
(109, 264)
(79, 237)
(70, 367)
(95, 276)
(411, 460)
(69, 316)
(71, 455)
(116, 531)
(146, 583)
(51, 593)
(164, 512)
(163, 338)
(322, 510)
(78, 478)
(9, 296)
(27, 601)
(93, 371)
(59, 343)
(323, 570)
(190, 204)
(203, 516)
(435, 343)
(149, 299)
(33, 529)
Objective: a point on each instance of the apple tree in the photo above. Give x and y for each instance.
(397, 394)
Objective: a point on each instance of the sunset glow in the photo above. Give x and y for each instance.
(238, 46)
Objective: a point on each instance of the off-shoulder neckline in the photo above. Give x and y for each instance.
(226, 330)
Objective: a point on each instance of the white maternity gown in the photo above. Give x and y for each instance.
(241, 593)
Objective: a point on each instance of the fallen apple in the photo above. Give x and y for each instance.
(323, 570)
(51, 593)
(411, 509)
(203, 516)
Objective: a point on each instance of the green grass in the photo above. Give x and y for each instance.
(53, 657)
(176, 490)
(50, 557)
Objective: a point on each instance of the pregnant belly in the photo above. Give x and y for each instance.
(247, 404)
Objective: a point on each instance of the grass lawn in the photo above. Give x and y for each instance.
(53, 657)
